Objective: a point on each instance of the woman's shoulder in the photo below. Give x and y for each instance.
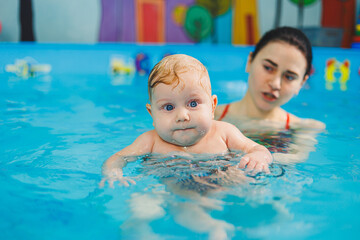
(308, 123)
(312, 123)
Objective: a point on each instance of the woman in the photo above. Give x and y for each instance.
(278, 68)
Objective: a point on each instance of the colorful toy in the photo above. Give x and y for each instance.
(333, 69)
(198, 23)
(27, 67)
(356, 37)
(142, 64)
(118, 66)
(179, 13)
(357, 26)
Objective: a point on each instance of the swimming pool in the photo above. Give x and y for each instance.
(88, 101)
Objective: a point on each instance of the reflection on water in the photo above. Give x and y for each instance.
(198, 192)
(204, 172)
(276, 141)
(287, 146)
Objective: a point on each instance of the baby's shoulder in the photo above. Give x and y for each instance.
(147, 137)
(225, 127)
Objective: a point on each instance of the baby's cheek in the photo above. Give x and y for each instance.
(164, 135)
(204, 127)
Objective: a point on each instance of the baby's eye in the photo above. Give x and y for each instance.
(193, 104)
(168, 107)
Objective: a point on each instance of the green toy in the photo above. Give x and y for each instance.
(303, 2)
(198, 23)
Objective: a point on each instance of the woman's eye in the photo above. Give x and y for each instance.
(268, 68)
(193, 104)
(169, 107)
(290, 77)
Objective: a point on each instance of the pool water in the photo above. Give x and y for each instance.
(57, 129)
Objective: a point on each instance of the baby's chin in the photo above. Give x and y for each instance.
(183, 143)
(186, 139)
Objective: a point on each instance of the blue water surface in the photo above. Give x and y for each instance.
(57, 129)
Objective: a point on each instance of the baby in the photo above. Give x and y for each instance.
(182, 109)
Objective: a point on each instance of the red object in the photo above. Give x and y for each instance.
(287, 126)
(224, 112)
(340, 14)
(150, 17)
(356, 39)
(330, 62)
(250, 29)
(150, 21)
(0, 27)
(312, 70)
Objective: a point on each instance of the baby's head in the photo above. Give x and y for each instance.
(181, 103)
(167, 71)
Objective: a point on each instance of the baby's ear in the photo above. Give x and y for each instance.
(148, 108)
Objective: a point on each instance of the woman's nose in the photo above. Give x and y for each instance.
(275, 82)
(182, 115)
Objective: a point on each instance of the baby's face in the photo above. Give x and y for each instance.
(183, 114)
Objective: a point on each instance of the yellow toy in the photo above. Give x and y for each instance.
(119, 67)
(334, 67)
(27, 67)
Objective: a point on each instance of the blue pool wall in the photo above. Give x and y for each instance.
(224, 63)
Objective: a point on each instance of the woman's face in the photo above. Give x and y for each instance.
(275, 75)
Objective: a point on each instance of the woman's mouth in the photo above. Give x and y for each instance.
(269, 96)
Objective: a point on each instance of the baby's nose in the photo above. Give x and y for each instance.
(182, 115)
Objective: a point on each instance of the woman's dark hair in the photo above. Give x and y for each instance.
(289, 35)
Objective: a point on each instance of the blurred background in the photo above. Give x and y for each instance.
(329, 23)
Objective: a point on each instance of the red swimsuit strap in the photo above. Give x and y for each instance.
(287, 126)
(226, 109)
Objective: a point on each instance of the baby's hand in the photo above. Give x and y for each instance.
(257, 160)
(115, 174)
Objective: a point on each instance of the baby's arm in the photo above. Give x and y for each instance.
(112, 169)
(257, 156)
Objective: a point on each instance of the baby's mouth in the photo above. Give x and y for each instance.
(269, 96)
(184, 129)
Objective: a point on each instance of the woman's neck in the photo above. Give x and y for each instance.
(246, 107)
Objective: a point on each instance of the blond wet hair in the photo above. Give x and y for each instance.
(167, 71)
